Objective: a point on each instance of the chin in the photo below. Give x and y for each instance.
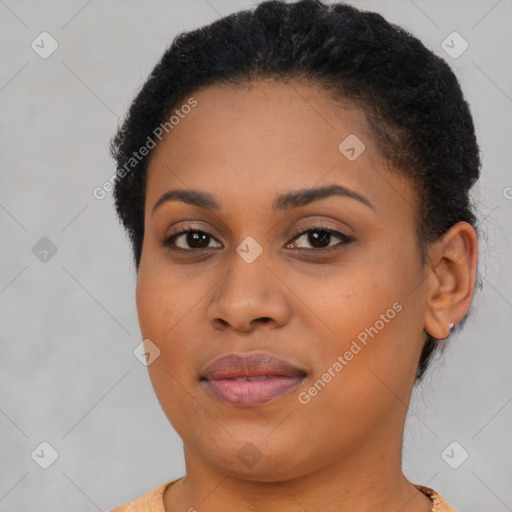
(245, 459)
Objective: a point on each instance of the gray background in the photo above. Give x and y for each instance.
(69, 325)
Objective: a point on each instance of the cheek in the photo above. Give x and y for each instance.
(364, 378)
(345, 302)
(172, 375)
(159, 311)
(152, 304)
(373, 313)
(164, 296)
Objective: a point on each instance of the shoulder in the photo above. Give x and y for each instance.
(152, 501)
(438, 503)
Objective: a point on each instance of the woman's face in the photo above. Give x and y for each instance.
(342, 304)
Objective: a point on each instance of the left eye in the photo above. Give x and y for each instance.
(320, 238)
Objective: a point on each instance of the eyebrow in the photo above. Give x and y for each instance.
(285, 201)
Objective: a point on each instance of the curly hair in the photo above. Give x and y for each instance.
(420, 120)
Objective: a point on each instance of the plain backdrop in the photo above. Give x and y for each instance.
(68, 325)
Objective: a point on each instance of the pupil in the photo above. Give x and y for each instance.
(319, 238)
(197, 239)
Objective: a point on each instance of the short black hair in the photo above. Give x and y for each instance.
(420, 120)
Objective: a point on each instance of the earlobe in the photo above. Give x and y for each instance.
(452, 262)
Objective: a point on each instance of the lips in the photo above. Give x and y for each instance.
(250, 379)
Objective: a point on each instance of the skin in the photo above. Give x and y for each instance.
(245, 145)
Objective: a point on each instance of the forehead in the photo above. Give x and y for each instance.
(265, 117)
(269, 136)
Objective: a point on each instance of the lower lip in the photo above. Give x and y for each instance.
(250, 393)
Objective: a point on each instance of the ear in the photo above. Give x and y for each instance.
(452, 263)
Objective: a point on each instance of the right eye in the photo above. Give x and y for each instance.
(189, 240)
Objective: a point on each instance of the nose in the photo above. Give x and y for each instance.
(248, 296)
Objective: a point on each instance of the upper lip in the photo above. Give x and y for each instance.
(234, 366)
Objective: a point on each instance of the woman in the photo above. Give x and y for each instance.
(295, 182)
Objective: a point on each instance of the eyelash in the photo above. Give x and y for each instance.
(344, 239)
